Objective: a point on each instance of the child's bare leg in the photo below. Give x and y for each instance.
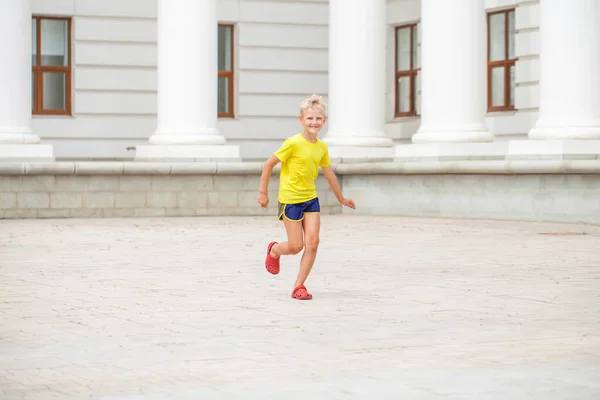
(294, 243)
(312, 226)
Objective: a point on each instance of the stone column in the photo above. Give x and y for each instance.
(357, 43)
(187, 85)
(569, 70)
(453, 72)
(17, 140)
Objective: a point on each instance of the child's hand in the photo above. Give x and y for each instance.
(263, 199)
(348, 203)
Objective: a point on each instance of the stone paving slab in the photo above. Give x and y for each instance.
(411, 308)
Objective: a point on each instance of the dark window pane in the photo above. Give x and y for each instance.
(223, 94)
(54, 91)
(403, 94)
(511, 35)
(403, 49)
(55, 42)
(512, 85)
(225, 50)
(32, 90)
(496, 37)
(497, 87)
(33, 41)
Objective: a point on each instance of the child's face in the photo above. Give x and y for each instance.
(313, 120)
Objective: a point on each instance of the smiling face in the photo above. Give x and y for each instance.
(313, 120)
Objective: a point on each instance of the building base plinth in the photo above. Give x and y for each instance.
(26, 152)
(360, 153)
(553, 150)
(187, 153)
(450, 151)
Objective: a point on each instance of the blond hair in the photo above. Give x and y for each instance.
(314, 102)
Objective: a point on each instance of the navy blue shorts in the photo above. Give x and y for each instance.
(295, 212)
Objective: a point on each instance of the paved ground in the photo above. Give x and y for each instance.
(403, 308)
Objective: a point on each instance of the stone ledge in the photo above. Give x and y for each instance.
(255, 168)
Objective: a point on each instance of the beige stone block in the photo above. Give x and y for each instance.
(192, 199)
(162, 199)
(99, 168)
(239, 168)
(86, 213)
(194, 168)
(104, 183)
(130, 199)
(53, 213)
(10, 183)
(249, 199)
(222, 199)
(149, 212)
(229, 183)
(181, 212)
(19, 213)
(8, 200)
(33, 200)
(71, 183)
(182, 183)
(12, 168)
(50, 168)
(98, 199)
(148, 168)
(38, 183)
(322, 184)
(251, 183)
(141, 183)
(225, 212)
(118, 212)
(66, 200)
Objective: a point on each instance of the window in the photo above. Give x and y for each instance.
(51, 66)
(501, 60)
(225, 80)
(408, 59)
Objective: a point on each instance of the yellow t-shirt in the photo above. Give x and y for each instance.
(300, 160)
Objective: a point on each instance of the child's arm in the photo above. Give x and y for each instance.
(335, 187)
(263, 196)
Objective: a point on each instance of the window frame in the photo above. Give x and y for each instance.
(506, 63)
(38, 70)
(228, 74)
(411, 73)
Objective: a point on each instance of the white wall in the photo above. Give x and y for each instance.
(280, 58)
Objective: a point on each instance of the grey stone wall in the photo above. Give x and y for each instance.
(533, 197)
(550, 190)
(68, 196)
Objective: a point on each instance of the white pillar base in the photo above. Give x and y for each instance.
(26, 152)
(557, 132)
(438, 134)
(355, 153)
(553, 150)
(451, 151)
(187, 153)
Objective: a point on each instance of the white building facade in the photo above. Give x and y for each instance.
(454, 108)
(114, 77)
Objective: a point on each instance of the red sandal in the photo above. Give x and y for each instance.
(301, 293)
(272, 264)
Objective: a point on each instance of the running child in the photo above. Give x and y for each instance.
(301, 156)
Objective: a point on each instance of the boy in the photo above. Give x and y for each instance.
(301, 156)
